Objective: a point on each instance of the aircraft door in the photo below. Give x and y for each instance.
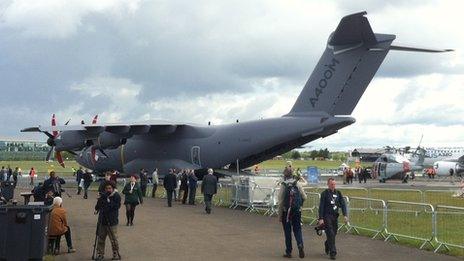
(195, 156)
(383, 170)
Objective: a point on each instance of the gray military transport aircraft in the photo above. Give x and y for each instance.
(351, 58)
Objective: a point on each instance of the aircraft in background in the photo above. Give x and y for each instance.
(350, 60)
(398, 164)
(443, 159)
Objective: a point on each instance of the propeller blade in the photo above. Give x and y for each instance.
(94, 121)
(103, 152)
(71, 152)
(93, 154)
(48, 134)
(59, 158)
(49, 153)
(55, 133)
(67, 122)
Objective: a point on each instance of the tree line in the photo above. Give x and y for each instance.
(322, 154)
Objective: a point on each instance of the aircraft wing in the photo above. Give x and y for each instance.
(119, 128)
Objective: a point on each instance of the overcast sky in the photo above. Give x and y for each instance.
(218, 61)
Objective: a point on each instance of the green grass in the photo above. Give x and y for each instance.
(302, 164)
(41, 166)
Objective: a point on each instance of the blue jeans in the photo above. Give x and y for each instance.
(295, 224)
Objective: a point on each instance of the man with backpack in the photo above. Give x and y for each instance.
(331, 201)
(291, 198)
(53, 184)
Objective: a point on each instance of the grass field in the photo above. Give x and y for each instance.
(44, 167)
(41, 166)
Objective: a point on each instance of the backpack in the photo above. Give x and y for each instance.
(292, 197)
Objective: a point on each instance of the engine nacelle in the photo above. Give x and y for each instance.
(107, 140)
(442, 168)
(69, 140)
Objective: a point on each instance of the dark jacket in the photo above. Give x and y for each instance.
(135, 197)
(209, 185)
(54, 185)
(143, 178)
(330, 203)
(87, 176)
(39, 193)
(79, 174)
(108, 209)
(192, 181)
(183, 181)
(170, 182)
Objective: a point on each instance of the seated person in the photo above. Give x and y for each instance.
(58, 223)
(38, 193)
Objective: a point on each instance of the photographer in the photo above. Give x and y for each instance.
(291, 198)
(53, 184)
(331, 201)
(107, 207)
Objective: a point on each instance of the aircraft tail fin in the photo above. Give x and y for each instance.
(349, 62)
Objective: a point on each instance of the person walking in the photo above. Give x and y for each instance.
(79, 175)
(59, 225)
(208, 189)
(16, 172)
(134, 196)
(331, 201)
(155, 181)
(9, 173)
(32, 176)
(291, 197)
(143, 181)
(107, 207)
(192, 184)
(184, 186)
(170, 185)
(3, 174)
(87, 177)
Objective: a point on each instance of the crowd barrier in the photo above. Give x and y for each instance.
(359, 208)
(447, 218)
(411, 220)
(378, 218)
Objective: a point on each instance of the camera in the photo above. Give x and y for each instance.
(319, 229)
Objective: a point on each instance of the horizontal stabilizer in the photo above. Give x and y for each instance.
(416, 49)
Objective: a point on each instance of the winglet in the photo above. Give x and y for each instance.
(353, 29)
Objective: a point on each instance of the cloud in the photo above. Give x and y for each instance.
(58, 18)
(219, 61)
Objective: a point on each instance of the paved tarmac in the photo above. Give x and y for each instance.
(185, 232)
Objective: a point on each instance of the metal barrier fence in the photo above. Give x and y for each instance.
(449, 229)
(310, 209)
(409, 220)
(360, 208)
(378, 218)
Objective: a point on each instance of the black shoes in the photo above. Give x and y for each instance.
(287, 255)
(332, 257)
(301, 252)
